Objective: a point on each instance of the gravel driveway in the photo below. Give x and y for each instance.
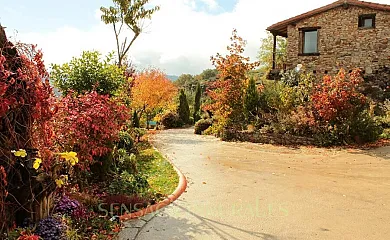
(251, 191)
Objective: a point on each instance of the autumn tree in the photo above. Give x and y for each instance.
(266, 52)
(130, 14)
(152, 92)
(228, 90)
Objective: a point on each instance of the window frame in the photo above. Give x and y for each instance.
(302, 32)
(364, 17)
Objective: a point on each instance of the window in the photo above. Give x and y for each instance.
(309, 41)
(367, 21)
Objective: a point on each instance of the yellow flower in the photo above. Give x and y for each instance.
(37, 163)
(59, 183)
(70, 157)
(20, 153)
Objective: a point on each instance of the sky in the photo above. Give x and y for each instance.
(179, 39)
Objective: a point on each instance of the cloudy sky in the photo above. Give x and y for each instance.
(180, 38)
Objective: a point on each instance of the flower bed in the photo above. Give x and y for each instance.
(71, 166)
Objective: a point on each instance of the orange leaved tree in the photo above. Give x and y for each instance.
(228, 91)
(152, 92)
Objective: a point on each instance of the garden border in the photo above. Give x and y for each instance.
(180, 189)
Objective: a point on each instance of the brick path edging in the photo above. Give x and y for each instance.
(182, 186)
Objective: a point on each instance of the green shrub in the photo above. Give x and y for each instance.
(270, 97)
(364, 128)
(184, 109)
(88, 72)
(126, 141)
(202, 125)
(72, 234)
(171, 120)
(385, 134)
(198, 96)
(251, 100)
(139, 133)
(125, 162)
(128, 184)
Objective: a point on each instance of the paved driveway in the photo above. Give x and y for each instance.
(251, 191)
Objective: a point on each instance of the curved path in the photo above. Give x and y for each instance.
(241, 191)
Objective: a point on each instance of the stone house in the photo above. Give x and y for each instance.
(345, 34)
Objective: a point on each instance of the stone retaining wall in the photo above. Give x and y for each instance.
(277, 139)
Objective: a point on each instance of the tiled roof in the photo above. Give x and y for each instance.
(281, 27)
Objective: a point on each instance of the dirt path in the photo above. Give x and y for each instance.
(250, 191)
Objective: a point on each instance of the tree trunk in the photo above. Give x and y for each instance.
(147, 121)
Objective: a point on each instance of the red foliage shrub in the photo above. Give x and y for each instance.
(337, 98)
(131, 203)
(28, 236)
(26, 92)
(342, 111)
(89, 124)
(26, 112)
(301, 121)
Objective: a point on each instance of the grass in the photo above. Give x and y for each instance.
(162, 178)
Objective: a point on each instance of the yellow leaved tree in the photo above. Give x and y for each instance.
(152, 93)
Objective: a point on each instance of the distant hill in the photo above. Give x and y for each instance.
(172, 77)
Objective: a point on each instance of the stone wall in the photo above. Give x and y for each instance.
(273, 138)
(341, 43)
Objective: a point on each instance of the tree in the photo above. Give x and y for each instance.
(209, 75)
(135, 120)
(198, 96)
(266, 52)
(251, 100)
(184, 109)
(186, 81)
(152, 92)
(130, 13)
(88, 73)
(227, 91)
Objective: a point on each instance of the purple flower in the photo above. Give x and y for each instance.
(49, 229)
(67, 205)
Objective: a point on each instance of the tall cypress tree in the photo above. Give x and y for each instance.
(198, 96)
(184, 108)
(135, 120)
(251, 100)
